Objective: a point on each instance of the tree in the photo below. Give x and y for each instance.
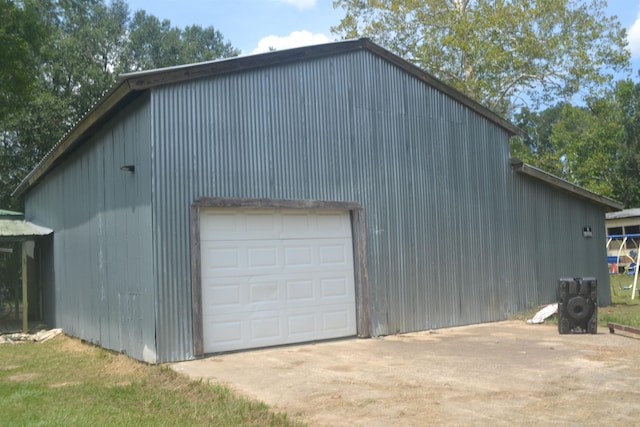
(536, 145)
(503, 53)
(596, 146)
(156, 44)
(68, 53)
(20, 37)
(627, 96)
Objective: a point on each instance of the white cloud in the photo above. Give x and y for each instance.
(300, 4)
(633, 36)
(295, 39)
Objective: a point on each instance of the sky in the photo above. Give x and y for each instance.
(255, 25)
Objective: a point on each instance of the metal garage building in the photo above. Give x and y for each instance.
(312, 193)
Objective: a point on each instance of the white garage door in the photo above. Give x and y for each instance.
(275, 276)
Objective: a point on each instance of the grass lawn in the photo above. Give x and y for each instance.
(64, 382)
(623, 309)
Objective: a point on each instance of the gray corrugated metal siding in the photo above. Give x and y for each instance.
(432, 176)
(100, 276)
(454, 236)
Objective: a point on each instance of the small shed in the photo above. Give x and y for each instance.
(13, 228)
(297, 195)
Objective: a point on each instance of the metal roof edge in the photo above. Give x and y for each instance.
(19, 228)
(438, 84)
(93, 119)
(564, 185)
(627, 213)
(136, 82)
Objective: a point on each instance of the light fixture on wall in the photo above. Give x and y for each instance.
(586, 232)
(128, 168)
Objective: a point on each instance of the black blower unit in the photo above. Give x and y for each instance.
(578, 305)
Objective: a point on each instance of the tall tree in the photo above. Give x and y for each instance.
(503, 53)
(596, 145)
(536, 145)
(627, 96)
(67, 54)
(156, 44)
(21, 37)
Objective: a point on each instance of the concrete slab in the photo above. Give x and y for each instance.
(502, 373)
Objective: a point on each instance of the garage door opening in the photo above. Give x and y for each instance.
(273, 275)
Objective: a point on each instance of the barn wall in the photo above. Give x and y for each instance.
(99, 284)
(547, 242)
(433, 178)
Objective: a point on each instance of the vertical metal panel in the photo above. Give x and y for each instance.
(548, 225)
(453, 236)
(101, 261)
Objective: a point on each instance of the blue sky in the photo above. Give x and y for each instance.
(255, 25)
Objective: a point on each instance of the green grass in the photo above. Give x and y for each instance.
(64, 382)
(623, 309)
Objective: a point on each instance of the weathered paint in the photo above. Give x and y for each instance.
(99, 263)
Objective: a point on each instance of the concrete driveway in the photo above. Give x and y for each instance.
(502, 373)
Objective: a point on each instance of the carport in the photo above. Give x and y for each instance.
(14, 228)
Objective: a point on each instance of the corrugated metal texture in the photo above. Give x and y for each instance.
(431, 175)
(548, 226)
(101, 216)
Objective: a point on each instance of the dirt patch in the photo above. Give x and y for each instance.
(122, 366)
(501, 373)
(64, 384)
(23, 377)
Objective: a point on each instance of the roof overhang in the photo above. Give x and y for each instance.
(13, 227)
(21, 230)
(627, 213)
(129, 86)
(563, 185)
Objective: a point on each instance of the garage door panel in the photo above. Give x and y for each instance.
(269, 292)
(275, 256)
(275, 277)
(239, 224)
(254, 330)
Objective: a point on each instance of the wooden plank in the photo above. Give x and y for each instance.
(613, 326)
(25, 303)
(223, 202)
(363, 309)
(196, 282)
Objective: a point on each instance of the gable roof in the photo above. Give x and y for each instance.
(129, 86)
(563, 185)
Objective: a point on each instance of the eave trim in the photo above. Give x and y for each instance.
(561, 184)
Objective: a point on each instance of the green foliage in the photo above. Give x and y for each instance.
(535, 146)
(62, 56)
(156, 44)
(596, 146)
(64, 382)
(499, 52)
(21, 37)
(623, 309)
(627, 97)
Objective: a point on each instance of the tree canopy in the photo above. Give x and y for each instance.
(63, 55)
(596, 145)
(503, 53)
